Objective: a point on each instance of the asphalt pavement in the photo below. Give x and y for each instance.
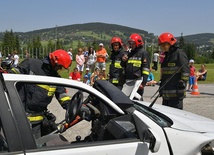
(202, 104)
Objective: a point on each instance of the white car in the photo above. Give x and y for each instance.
(118, 124)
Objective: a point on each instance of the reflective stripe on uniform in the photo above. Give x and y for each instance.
(51, 89)
(136, 63)
(15, 70)
(170, 70)
(63, 99)
(115, 81)
(117, 65)
(145, 71)
(35, 118)
(173, 93)
(185, 76)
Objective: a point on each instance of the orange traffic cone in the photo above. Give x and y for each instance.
(195, 88)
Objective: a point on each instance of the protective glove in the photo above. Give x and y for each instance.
(50, 116)
(159, 83)
(65, 104)
(181, 84)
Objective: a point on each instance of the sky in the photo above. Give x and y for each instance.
(154, 16)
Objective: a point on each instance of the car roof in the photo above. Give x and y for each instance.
(61, 81)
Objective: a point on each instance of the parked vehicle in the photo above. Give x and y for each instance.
(118, 125)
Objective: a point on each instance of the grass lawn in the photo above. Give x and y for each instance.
(209, 67)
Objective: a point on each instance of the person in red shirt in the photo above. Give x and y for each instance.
(101, 59)
(191, 75)
(75, 75)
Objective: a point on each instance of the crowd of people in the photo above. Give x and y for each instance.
(129, 69)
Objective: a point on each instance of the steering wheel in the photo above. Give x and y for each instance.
(74, 107)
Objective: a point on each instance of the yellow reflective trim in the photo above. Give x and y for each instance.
(35, 118)
(145, 72)
(135, 61)
(51, 89)
(15, 70)
(171, 64)
(117, 65)
(184, 78)
(137, 65)
(66, 98)
(170, 95)
(115, 81)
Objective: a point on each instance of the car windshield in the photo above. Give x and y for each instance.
(157, 117)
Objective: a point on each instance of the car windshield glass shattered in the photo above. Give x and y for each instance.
(157, 117)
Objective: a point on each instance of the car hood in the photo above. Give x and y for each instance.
(184, 120)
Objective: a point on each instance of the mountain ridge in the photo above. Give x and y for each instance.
(102, 32)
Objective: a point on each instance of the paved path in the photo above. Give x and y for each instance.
(202, 104)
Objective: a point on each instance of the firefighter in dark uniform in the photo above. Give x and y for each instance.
(136, 65)
(36, 97)
(115, 69)
(175, 65)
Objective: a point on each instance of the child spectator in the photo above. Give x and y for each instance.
(86, 80)
(101, 76)
(87, 77)
(192, 75)
(75, 75)
(202, 73)
(94, 75)
(151, 79)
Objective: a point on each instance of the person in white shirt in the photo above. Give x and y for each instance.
(15, 58)
(70, 53)
(91, 59)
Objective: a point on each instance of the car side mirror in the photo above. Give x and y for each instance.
(153, 139)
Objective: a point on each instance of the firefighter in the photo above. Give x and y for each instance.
(136, 64)
(36, 97)
(115, 69)
(174, 67)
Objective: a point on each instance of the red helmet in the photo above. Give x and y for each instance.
(137, 39)
(116, 40)
(60, 57)
(166, 38)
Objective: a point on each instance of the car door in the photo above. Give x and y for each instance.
(15, 130)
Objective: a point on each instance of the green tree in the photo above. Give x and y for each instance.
(50, 46)
(190, 49)
(10, 42)
(181, 41)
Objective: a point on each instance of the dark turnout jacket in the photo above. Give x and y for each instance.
(36, 97)
(115, 69)
(137, 65)
(175, 60)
